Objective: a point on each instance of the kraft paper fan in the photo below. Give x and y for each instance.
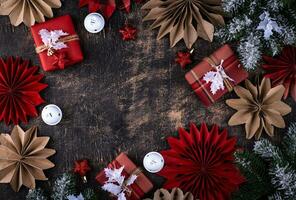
(23, 157)
(28, 11)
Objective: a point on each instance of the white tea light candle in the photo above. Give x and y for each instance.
(153, 162)
(94, 22)
(51, 114)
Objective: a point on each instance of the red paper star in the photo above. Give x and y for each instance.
(282, 70)
(201, 162)
(183, 59)
(19, 90)
(128, 32)
(81, 167)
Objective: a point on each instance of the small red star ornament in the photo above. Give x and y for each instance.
(128, 32)
(81, 167)
(183, 59)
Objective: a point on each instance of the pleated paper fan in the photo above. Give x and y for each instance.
(201, 162)
(19, 90)
(28, 11)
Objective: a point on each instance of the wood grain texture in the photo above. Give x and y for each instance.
(125, 96)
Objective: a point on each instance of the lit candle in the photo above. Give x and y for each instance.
(153, 162)
(51, 114)
(94, 22)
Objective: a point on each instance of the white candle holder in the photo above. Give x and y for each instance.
(94, 22)
(153, 162)
(51, 114)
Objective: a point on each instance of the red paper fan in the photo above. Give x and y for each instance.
(19, 90)
(201, 162)
(282, 70)
(107, 7)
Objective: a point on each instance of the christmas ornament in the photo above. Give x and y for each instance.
(81, 167)
(258, 27)
(281, 70)
(128, 32)
(184, 19)
(19, 90)
(23, 157)
(57, 43)
(175, 194)
(117, 184)
(201, 162)
(153, 162)
(268, 25)
(28, 11)
(259, 107)
(51, 114)
(94, 23)
(183, 59)
(107, 7)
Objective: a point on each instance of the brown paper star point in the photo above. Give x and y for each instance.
(259, 108)
(175, 194)
(23, 157)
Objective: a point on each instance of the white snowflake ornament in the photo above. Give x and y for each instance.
(51, 38)
(268, 25)
(216, 78)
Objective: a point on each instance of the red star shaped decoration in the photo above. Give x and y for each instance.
(81, 167)
(183, 59)
(128, 33)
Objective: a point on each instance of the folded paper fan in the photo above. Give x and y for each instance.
(282, 70)
(23, 157)
(187, 19)
(175, 194)
(259, 107)
(201, 162)
(28, 11)
(19, 90)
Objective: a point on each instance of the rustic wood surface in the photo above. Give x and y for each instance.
(125, 96)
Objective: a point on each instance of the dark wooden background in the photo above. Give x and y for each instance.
(125, 96)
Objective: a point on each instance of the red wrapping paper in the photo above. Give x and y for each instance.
(67, 56)
(142, 184)
(232, 67)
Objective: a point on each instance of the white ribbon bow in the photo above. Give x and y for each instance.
(51, 38)
(268, 25)
(116, 183)
(217, 78)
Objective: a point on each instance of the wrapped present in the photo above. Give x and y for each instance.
(123, 179)
(216, 75)
(57, 43)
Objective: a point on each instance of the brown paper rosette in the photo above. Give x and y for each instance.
(23, 157)
(259, 107)
(175, 194)
(28, 11)
(187, 19)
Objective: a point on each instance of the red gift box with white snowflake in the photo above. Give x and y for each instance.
(57, 43)
(216, 75)
(123, 179)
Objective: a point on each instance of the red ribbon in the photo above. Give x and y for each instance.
(60, 60)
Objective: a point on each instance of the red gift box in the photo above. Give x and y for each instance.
(142, 184)
(231, 67)
(53, 59)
